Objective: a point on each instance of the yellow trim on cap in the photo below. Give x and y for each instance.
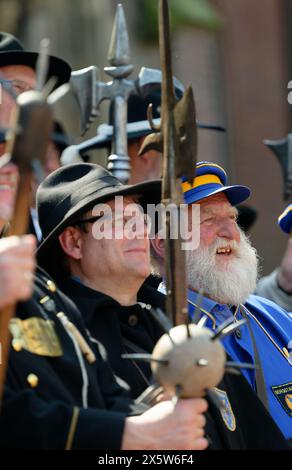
(200, 181)
(286, 211)
(200, 165)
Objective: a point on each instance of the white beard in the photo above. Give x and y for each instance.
(229, 283)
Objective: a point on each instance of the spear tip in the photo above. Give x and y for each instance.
(119, 49)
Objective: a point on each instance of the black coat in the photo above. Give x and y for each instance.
(44, 417)
(114, 325)
(110, 323)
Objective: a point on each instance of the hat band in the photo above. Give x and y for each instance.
(286, 224)
(201, 181)
(286, 211)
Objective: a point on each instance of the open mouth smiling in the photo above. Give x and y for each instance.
(224, 251)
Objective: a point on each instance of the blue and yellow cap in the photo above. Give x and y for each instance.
(211, 179)
(285, 219)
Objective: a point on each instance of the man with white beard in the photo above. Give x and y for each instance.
(224, 268)
(226, 265)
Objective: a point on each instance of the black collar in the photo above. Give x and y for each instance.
(88, 300)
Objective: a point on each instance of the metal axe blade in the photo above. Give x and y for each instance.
(83, 86)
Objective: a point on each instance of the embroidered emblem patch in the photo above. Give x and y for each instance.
(226, 409)
(35, 335)
(283, 393)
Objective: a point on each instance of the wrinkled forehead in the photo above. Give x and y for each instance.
(18, 72)
(117, 205)
(218, 203)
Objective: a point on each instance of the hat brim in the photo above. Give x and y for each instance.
(235, 194)
(285, 220)
(149, 192)
(104, 140)
(57, 67)
(61, 140)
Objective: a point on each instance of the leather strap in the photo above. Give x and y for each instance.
(259, 376)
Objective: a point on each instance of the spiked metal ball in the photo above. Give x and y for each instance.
(192, 363)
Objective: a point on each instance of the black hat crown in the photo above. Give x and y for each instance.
(12, 52)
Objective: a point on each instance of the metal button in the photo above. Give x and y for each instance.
(48, 304)
(133, 320)
(237, 333)
(51, 286)
(33, 380)
(285, 350)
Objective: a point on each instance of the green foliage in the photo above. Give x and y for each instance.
(197, 13)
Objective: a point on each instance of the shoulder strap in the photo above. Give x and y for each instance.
(260, 380)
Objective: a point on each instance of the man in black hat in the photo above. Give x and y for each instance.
(101, 267)
(104, 277)
(17, 74)
(60, 392)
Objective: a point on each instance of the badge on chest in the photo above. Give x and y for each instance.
(36, 335)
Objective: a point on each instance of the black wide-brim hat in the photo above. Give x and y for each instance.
(72, 190)
(12, 52)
